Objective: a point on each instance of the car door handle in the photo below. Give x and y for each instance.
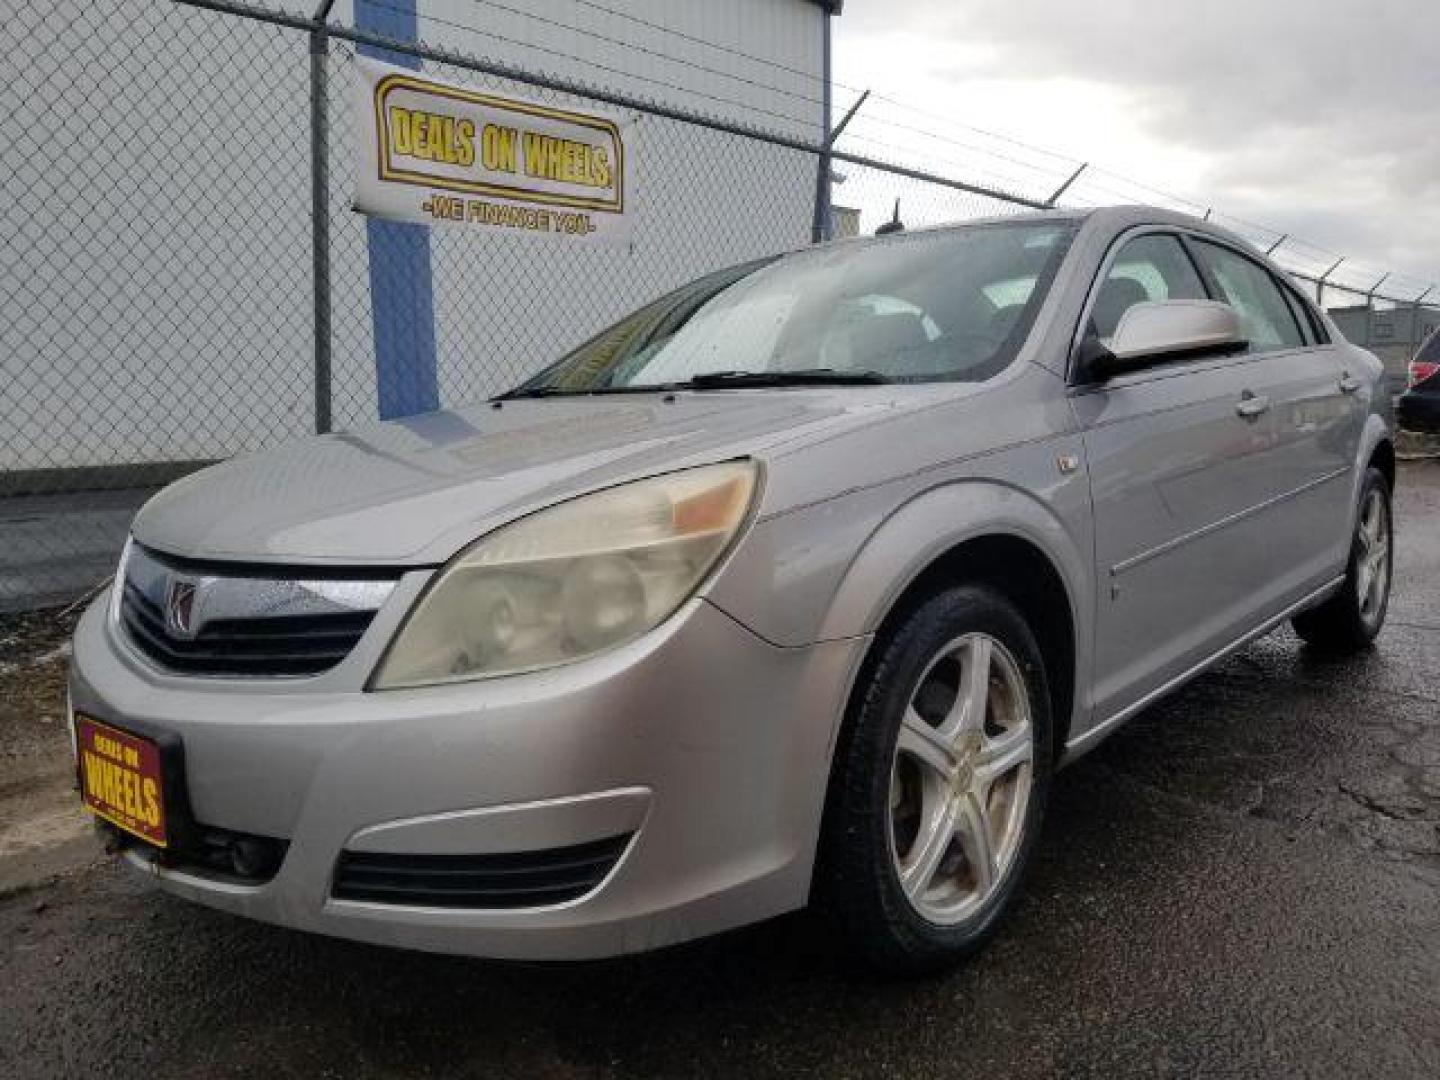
(1348, 383)
(1252, 405)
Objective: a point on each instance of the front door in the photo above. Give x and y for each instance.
(1182, 464)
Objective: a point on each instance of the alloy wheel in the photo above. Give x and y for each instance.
(961, 779)
(1372, 568)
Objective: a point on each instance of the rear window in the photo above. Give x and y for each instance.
(1430, 351)
(1267, 320)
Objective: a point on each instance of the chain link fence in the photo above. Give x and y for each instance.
(184, 279)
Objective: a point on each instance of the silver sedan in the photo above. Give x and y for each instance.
(793, 587)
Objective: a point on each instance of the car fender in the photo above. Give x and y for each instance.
(927, 526)
(1377, 430)
(934, 522)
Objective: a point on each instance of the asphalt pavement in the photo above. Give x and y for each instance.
(1245, 881)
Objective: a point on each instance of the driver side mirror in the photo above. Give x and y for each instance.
(1155, 331)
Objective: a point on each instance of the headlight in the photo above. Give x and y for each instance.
(571, 581)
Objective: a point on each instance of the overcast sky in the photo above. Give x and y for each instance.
(1320, 118)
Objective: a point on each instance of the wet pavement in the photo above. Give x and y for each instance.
(1245, 881)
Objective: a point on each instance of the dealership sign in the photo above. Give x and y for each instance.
(437, 152)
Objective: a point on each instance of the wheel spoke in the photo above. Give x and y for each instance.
(1003, 754)
(1364, 578)
(1372, 567)
(1375, 592)
(973, 831)
(1373, 516)
(968, 711)
(937, 829)
(925, 744)
(1378, 563)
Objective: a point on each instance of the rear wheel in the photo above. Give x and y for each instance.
(1351, 619)
(939, 785)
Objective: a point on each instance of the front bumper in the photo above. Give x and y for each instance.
(705, 742)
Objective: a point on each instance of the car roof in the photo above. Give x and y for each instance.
(1115, 218)
(1111, 220)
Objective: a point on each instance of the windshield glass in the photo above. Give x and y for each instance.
(951, 304)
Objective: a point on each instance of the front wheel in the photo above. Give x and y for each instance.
(939, 784)
(1350, 620)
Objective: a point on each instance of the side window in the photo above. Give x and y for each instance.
(1310, 315)
(1297, 309)
(1265, 317)
(1150, 267)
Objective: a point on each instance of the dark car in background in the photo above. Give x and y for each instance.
(1419, 407)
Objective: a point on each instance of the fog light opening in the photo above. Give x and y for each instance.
(255, 858)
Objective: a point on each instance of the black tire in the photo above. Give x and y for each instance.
(857, 886)
(1342, 624)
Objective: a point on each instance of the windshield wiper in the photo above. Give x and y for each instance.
(713, 380)
(529, 392)
(560, 391)
(724, 380)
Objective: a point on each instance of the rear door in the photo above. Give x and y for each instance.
(1180, 469)
(1317, 418)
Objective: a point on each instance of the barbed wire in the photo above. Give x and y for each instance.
(1190, 204)
(836, 84)
(925, 133)
(589, 63)
(1353, 274)
(1036, 185)
(645, 51)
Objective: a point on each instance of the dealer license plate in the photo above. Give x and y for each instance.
(120, 779)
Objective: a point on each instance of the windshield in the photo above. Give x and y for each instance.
(952, 304)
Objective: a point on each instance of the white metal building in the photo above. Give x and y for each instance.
(158, 302)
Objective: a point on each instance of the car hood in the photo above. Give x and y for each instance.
(413, 492)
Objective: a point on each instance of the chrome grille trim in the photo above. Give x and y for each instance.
(240, 622)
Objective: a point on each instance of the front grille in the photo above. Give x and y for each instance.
(293, 624)
(511, 880)
(277, 645)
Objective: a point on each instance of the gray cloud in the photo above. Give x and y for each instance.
(1319, 117)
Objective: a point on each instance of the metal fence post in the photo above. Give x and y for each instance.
(1324, 278)
(1055, 197)
(823, 226)
(1370, 311)
(1417, 329)
(820, 224)
(320, 210)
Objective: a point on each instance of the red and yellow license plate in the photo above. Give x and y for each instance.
(120, 779)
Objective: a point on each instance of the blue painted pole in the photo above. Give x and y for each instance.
(402, 300)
